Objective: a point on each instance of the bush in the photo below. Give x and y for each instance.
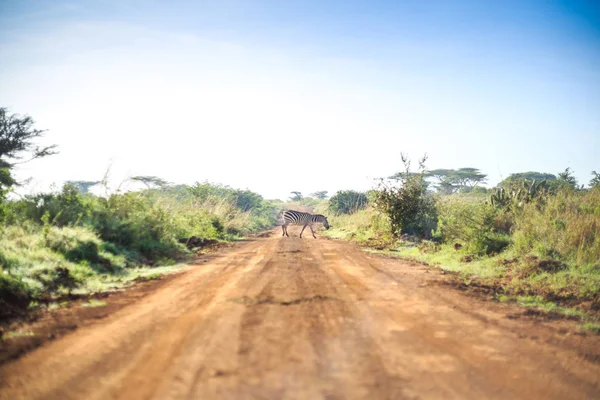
(76, 244)
(14, 296)
(347, 202)
(481, 227)
(66, 208)
(565, 226)
(408, 205)
(55, 279)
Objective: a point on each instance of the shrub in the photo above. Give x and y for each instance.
(14, 296)
(54, 279)
(408, 205)
(481, 227)
(76, 244)
(565, 226)
(68, 207)
(347, 202)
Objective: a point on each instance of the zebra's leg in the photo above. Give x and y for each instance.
(303, 228)
(283, 230)
(311, 230)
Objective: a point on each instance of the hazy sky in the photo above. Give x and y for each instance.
(276, 96)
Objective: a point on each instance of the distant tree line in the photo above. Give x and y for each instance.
(464, 180)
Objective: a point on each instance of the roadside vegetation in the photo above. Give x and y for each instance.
(534, 236)
(72, 242)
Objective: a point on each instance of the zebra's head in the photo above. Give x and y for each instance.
(325, 223)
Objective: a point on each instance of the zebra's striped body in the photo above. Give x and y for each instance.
(291, 217)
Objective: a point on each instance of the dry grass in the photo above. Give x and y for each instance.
(564, 227)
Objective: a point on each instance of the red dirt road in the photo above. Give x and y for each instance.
(290, 318)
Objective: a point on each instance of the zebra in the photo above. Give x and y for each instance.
(291, 217)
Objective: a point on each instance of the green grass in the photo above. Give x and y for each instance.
(153, 276)
(56, 244)
(542, 304)
(125, 278)
(63, 260)
(93, 303)
(519, 276)
(16, 334)
(364, 226)
(565, 227)
(592, 327)
(60, 261)
(448, 259)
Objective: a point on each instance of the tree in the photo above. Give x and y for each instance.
(246, 200)
(521, 177)
(17, 137)
(446, 186)
(150, 181)
(347, 202)
(456, 180)
(297, 196)
(439, 174)
(469, 177)
(408, 205)
(595, 179)
(320, 195)
(82, 186)
(567, 179)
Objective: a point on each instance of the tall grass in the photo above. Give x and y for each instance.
(480, 227)
(565, 227)
(364, 226)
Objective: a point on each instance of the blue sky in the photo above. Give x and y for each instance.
(278, 96)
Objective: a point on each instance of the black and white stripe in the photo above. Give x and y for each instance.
(291, 217)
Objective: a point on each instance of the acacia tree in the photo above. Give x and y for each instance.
(320, 194)
(82, 186)
(297, 196)
(454, 180)
(150, 181)
(17, 137)
(445, 184)
(469, 177)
